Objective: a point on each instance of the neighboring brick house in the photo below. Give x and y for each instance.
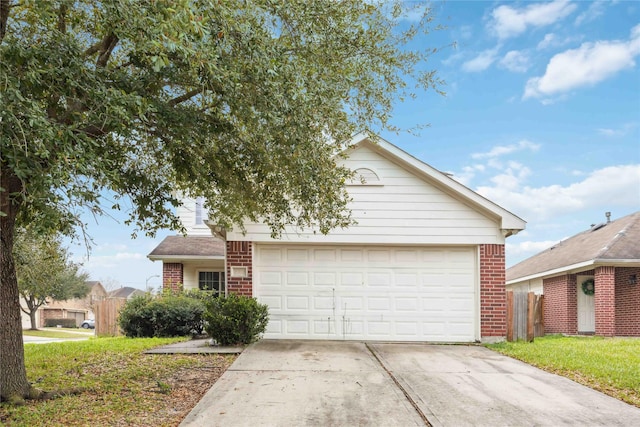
(607, 257)
(79, 309)
(424, 262)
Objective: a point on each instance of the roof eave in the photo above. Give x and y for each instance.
(575, 268)
(184, 257)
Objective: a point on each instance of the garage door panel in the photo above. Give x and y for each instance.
(352, 279)
(324, 279)
(360, 292)
(297, 278)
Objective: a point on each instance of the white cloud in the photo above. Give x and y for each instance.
(501, 150)
(551, 40)
(589, 64)
(482, 61)
(516, 61)
(548, 40)
(594, 10)
(528, 247)
(508, 21)
(607, 187)
(616, 133)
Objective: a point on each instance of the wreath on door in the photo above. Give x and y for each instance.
(588, 287)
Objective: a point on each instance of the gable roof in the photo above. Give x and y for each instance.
(188, 247)
(510, 224)
(612, 243)
(125, 292)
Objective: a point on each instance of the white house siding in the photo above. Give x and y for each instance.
(187, 215)
(405, 208)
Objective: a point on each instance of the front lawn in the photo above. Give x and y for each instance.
(58, 333)
(610, 365)
(120, 385)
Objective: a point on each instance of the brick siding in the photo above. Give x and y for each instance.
(605, 301)
(560, 305)
(627, 303)
(172, 276)
(240, 254)
(493, 297)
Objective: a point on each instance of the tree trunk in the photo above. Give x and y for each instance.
(32, 318)
(14, 385)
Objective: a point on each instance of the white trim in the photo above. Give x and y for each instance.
(174, 258)
(577, 268)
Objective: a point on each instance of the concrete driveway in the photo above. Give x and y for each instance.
(335, 383)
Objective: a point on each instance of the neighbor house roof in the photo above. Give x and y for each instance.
(613, 243)
(125, 292)
(188, 247)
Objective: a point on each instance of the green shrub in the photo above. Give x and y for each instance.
(235, 319)
(64, 322)
(135, 317)
(164, 316)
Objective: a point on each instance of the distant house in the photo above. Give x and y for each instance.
(126, 292)
(425, 261)
(590, 281)
(79, 309)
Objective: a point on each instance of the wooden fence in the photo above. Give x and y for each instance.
(525, 319)
(106, 313)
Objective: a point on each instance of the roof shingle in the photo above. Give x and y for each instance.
(617, 240)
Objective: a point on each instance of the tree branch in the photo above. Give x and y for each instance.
(109, 43)
(62, 18)
(104, 47)
(5, 6)
(184, 97)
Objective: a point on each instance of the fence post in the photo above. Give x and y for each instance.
(531, 315)
(510, 309)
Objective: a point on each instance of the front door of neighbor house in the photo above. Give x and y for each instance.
(586, 308)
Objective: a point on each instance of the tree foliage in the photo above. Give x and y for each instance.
(245, 103)
(45, 272)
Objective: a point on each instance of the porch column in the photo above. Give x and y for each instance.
(605, 301)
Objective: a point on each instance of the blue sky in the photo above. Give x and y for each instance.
(542, 116)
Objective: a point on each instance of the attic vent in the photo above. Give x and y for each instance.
(598, 226)
(365, 176)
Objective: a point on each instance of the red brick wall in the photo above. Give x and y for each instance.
(560, 305)
(172, 276)
(239, 254)
(493, 297)
(627, 303)
(605, 301)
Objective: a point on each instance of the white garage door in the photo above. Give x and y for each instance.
(367, 292)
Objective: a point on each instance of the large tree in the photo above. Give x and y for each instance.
(245, 103)
(45, 272)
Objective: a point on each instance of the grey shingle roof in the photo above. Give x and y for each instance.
(188, 246)
(617, 240)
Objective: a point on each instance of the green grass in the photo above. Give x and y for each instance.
(122, 386)
(610, 365)
(49, 333)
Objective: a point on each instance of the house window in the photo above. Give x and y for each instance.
(211, 281)
(200, 213)
(365, 176)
